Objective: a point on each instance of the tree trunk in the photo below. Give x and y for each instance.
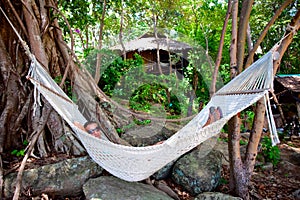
(260, 107)
(242, 32)
(10, 99)
(99, 55)
(238, 181)
(121, 31)
(45, 40)
(241, 171)
(220, 50)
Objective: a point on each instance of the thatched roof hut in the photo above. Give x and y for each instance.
(287, 90)
(149, 42)
(172, 53)
(290, 82)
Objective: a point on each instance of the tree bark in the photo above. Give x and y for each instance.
(99, 55)
(220, 50)
(242, 32)
(121, 31)
(11, 98)
(32, 24)
(237, 176)
(233, 44)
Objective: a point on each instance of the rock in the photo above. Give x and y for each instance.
(164, 172)
(222, 147)
(65, 178)
(215, 196)
(290, 154)
(111, 188)
(163, 186)
(288, 169)
(267, 167)
(149, 134)
(295, 157)
(144, 135)
(196, 173)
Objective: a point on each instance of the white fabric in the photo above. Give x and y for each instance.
(138, 163)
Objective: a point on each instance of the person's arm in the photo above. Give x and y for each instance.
(78, 125)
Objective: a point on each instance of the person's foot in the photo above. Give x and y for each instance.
(214, 115)
(210, 117)
(218, 114)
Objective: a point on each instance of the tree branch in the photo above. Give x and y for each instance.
(220, 50)
(72, 45)
(242, 30)
(18, 18)
(264, 32)
(35, 41)
(99, 55)
(29, 151)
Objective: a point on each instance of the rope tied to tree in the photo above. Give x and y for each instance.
(291, 29)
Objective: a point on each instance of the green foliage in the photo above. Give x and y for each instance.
(20, 152)
(205, 20)
(262, 12)
(271, 153)
(58, 79)
(120, 131)
(247, 117)
(142, 122)
(127, 80)
(113, 73)
(225, 139)
(148, 94)
(225, 73)
(243, 142)
(67, 87)
(223, 181)
(199, 70)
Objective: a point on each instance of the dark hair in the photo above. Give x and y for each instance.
(89, 122)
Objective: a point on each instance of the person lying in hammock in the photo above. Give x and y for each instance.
(214, 115)
(91, 127)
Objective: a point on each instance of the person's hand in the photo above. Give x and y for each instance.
(78, 125)
(160, 142)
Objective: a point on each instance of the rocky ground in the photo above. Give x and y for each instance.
(268, 182)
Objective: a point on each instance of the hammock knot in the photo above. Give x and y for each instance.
(291, 29)
(36, 92)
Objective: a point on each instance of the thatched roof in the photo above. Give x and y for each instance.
(290, 82)
(149, 42)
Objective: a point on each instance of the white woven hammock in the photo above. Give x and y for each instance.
(138, 163)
